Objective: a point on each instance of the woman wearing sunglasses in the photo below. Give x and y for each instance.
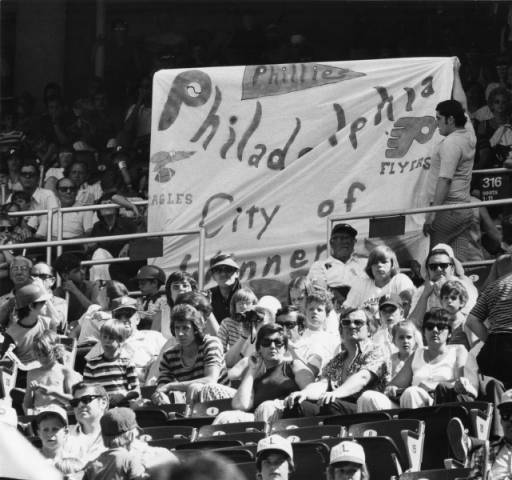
(434, 373)
(267, 380)
(360, 365)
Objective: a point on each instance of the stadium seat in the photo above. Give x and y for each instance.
(438, 474)
(311, 459)
(408, 435)
(318, 432)
(210, 409)
(436, 446)
(347, 420)
(209, 444)
(227, 428)
(251, 438)
(161, 415)
(169, 443)
(183, 432)
(382, 455)
(290, 423)
(236, 455)
(147, 391)
(196, 422)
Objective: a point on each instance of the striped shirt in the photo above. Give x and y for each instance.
(495, 304)
(210, 353)
(229, 332)
(117, 376)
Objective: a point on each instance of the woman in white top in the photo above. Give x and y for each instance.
(384, 278)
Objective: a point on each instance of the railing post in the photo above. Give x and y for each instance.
(200, 266)
(49, 223)
(60, 226)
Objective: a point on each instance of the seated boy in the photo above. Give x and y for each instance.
(454, 297)
(151, 278)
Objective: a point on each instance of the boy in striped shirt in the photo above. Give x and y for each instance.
(113, 371)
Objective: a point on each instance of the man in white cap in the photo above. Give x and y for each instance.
(469, 450)
(274, 458)
(347, 462)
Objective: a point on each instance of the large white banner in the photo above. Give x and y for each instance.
(261, 155)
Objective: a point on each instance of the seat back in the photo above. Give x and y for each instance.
(408, 435)
(236, 455)
(436, 474)
(318, 432)
(311, 459)
(290, 423)
(150, 417)
(215, 430)
(436, 418)
(209, 444)
(147, 391)
(347, 420)
(183, 432)
(210, 409)
(246, 438)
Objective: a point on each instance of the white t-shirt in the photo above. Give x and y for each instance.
(335, 273)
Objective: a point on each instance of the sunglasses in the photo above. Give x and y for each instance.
(388, 309)
(439, 326)
(442, 266)
(223, 269)
(67, 189)
(86, 399)
(358, 323)
(287, 325)
(42, 276)
(267, 342)
(6, 229)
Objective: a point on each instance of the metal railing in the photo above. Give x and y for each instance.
(412, 211)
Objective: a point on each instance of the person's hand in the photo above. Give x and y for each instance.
(428, 287)
(327, 398)
(160, 398)
(295, 398)
(135, 210)
(462, 386)
(391, 391)
(69, 286)
(255, 363)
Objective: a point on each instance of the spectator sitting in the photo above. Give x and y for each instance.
(383, 277)
(40, 198)
(434, 373)
(51, 427)
(225, 272)
(51, 383)
(407, 338)
(195, 366)
(19, 274)
(360, 366)
(440, 266)
(347, 460)
(74, 224)
(292, 321)
(113, 371)
(55, 122)
(79, 173)
(230, 329)
(391, 312)
(268, 379)
(150, 306)
(274, 458)
(56, 307)
(21, 231)
(30, 301)
(177, 283)
(14, 167)
(453, 299)
(82, 293)
(54, 174)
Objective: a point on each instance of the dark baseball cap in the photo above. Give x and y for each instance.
(344, 228)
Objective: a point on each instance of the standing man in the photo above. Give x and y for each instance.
(342, 268)
(450, 174)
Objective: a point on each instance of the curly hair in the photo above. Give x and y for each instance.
(187, 313)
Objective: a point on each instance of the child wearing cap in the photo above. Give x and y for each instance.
(274, 458)
(51, 428)
(110, 368)
(50, 384)
(347, 461)
(224, 271)
(152, 302)
(390, 313)
(30, 301)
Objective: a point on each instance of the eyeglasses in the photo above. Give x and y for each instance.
(67, 189)
(267, 342)
(439, 326)
(120, 314)
(28, 174)
(86, 399)
(389, 309)
(223, 269)
(347, 322)
(287, 325)
(42, 276)
(442, 266)
(19, 268)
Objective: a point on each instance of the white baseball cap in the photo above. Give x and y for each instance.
(275, 443)
(347, 451)
(506, 400)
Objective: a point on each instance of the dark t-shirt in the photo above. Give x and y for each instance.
(122, 226)
(220, 305)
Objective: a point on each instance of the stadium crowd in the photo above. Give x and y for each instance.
(83, 361)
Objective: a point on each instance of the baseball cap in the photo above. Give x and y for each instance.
(226, 260)
(275, 443)
(270, 303)
(151, 272)
(391, 299)
(124, 303)
(444, 248)
(344, 228)
(347, 451)
(506, 401)
(31, 293)
(52, 411)
(118, 420)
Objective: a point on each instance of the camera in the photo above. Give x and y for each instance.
(250, 317)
